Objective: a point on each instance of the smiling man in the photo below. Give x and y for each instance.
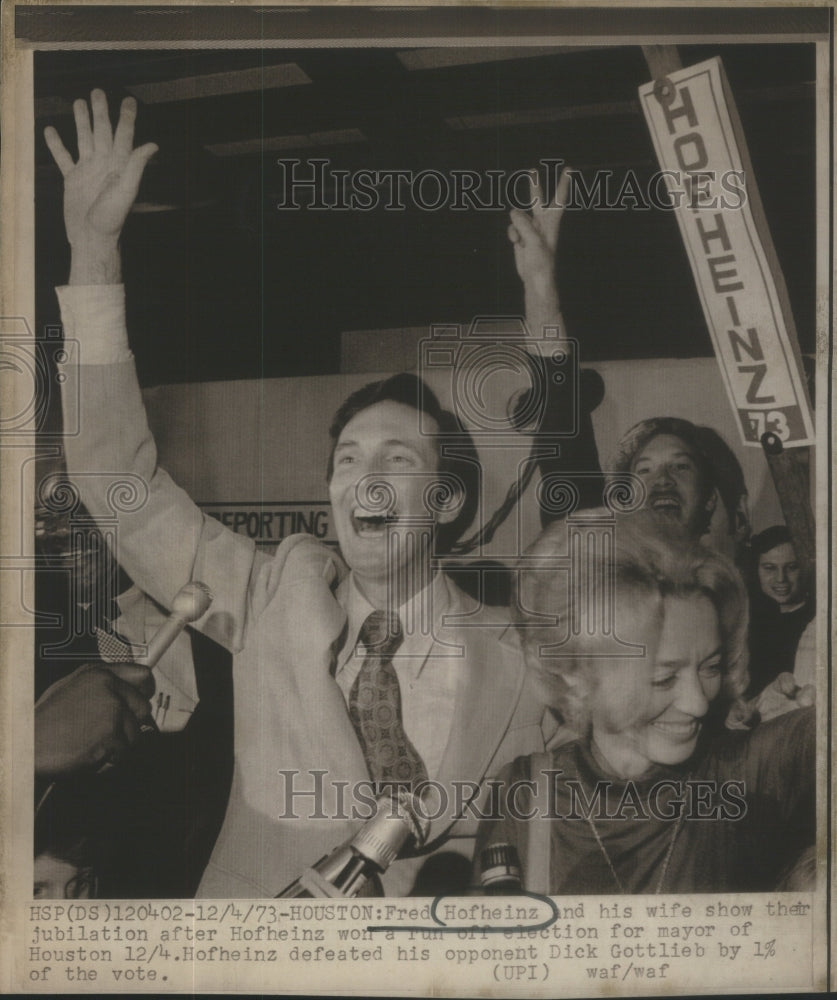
(376, 670)
(686, 469)
(676, 479)
(382, 469)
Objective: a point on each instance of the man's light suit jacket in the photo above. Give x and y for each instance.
(279, 616)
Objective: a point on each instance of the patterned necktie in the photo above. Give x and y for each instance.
(113, 647)
(375, 706)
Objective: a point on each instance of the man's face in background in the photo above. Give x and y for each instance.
(674, 482)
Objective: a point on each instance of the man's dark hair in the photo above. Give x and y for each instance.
(455, 447)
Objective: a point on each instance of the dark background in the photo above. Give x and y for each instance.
(223, 285)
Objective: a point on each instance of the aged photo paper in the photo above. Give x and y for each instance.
(416, 479)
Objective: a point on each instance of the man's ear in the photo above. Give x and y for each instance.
(711, 503)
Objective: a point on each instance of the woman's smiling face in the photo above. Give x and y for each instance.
(648, 709)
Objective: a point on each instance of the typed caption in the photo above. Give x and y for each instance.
(633, 944)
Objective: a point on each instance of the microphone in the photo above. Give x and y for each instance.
(357, 864)
(500, 870)
(190, 603)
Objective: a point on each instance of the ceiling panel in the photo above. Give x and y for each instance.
(209, 254)
(187, 88)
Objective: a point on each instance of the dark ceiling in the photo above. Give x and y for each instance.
(223, 284)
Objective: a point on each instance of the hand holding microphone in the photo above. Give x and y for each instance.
(189, 604)
(92, 716)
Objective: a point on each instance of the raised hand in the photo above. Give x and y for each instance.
(535, 236)
(100, 187)
(535, 241)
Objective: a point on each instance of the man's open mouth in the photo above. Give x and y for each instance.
(665, 503)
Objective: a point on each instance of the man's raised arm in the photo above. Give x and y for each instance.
(535, 240)
(163, 539)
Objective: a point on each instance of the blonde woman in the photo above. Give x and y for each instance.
(653, 794)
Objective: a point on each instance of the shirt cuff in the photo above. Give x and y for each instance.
(95, 314)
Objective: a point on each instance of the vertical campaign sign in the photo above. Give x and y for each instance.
(701, 150)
